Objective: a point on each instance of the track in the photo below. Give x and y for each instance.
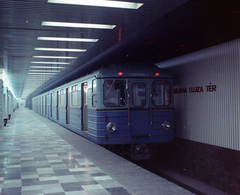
(153, 167)
(186, 182)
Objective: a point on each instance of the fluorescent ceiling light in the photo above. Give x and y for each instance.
(38, 76)
(44, 71)
(41, 73)
(66, 39)
(50, 62)
(100, 3)
(61, 49)
(56, 57)
(78, 25)
(51, 67)
(38, 79)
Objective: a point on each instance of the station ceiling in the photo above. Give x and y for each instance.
(146, 31)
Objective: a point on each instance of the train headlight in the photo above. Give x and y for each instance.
(166, 125)
(111, 127)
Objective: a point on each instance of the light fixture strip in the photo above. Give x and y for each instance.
(43, 79)
(41, 73)
(50, 67)
(39, 77)
(56, 57)
(44, 70)
(100, 3)
(66, 39)
(78, 25)
(59, 49)
(35, 62)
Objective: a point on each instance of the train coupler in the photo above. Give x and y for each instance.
(141, 152)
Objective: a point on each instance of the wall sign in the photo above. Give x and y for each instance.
(195, 89)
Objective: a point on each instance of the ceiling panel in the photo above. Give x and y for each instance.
(20, 25)
(157, 31)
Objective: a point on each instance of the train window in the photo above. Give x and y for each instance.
(139, 94)
(62, 97)
(94, 93)
(75, 95)
(161, 91)
(114, 93)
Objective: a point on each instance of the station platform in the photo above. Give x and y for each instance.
(38, 156)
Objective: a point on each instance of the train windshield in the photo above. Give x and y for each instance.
(161, 91)
(114, 93)
(139, 94)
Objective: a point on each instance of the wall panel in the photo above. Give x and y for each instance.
(210, 117)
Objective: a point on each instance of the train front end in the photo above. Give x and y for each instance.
(134, 107)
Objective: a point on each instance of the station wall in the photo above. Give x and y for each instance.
(207, 119)
(207, 95)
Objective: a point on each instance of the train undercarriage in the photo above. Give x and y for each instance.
(135, 152)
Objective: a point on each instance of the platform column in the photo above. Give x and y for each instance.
(1, 100)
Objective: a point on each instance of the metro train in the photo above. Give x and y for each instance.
(123, 104)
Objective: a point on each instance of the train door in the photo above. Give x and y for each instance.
(39, 105)
(67, 105)
(42, 105)
(57, 105)
(51, 104)
(84, 89)
(140, 112)
(46, 105)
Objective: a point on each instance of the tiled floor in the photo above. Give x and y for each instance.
(38, 156)
(35, 160)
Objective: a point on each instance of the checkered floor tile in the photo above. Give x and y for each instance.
(34, 160)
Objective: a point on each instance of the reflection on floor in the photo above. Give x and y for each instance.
(35, 160)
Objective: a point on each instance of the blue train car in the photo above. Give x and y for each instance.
(119, 105)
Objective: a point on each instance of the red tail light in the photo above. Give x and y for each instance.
(120, 73)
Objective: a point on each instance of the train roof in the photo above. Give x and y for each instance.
(133, 70)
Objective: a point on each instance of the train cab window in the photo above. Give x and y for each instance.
(75, 95)
(139, 94)
(161, 93)
(94, 93)
(62, 97)
(114, 93)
